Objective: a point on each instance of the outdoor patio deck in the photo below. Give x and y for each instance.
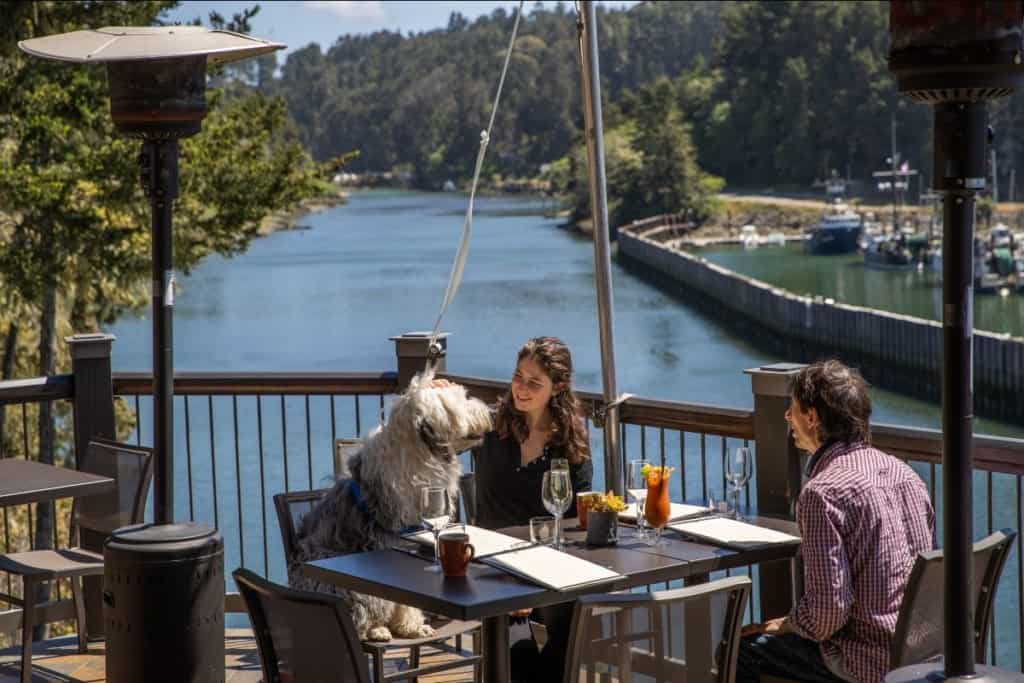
(57, 659)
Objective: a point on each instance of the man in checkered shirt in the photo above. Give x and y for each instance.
(864, 517)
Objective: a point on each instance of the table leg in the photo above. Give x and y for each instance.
(496, 664)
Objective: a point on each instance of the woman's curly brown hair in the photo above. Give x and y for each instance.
(568, 430)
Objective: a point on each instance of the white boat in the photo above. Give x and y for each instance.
(749, 237)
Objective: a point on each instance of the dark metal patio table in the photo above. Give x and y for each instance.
(27, 481)
(489, 594)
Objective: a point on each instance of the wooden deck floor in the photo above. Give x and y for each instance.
(57, 660)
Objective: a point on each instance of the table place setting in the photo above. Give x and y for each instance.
(731, 533)
(535, 560)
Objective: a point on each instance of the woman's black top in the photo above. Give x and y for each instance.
(507, 493)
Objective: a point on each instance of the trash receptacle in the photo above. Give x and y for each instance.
(163, 604)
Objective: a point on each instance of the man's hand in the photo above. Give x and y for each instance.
(521, 612)
(772, 626)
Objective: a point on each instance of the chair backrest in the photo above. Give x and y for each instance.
(302, 636)
(919, 625)
(291, 508)
(467, 491)
(132, 468)
(343, 449)
(990, 554)
(689, 634)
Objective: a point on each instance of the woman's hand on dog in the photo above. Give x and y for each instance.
(442, 383)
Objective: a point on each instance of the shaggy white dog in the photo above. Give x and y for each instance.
(427, 429)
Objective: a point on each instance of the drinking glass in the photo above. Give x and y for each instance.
(560, 464)
(556, 492)
(435, 511)
(542, 530)
(738, 468)
(657, 507)
(636, 487)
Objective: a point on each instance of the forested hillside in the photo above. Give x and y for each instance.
(773, 93)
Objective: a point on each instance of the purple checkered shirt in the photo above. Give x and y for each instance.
(864, 516)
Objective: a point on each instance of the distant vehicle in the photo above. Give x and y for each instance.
(837, 232)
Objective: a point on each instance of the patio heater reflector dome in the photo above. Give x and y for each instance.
(157, 79)
(157, 74)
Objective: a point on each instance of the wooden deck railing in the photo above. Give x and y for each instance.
(245, 436)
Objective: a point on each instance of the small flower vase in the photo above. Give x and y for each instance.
(602, 527)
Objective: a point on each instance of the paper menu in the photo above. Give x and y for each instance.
(678, 511)
(552, 568)
(731, 533)
(484, 541)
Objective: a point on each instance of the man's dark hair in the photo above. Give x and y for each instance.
(840, 396)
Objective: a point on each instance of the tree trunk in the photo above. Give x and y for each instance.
(47, 432)
(10, 354)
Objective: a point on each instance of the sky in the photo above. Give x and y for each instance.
(299, 23)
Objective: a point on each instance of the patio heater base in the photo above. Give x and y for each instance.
(932, 672)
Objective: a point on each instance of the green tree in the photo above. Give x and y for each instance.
(75, 225)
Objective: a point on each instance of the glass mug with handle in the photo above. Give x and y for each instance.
(556, 494)
(455, 550)
(435, 511)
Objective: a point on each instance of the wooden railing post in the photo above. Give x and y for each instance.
(94, 416)
(778, 477)
(412, 349)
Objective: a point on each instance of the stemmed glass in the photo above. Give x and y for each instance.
(636, 487)
(738, 468)
(556, 492)
(435, 511)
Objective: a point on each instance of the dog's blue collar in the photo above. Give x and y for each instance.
(357, 497)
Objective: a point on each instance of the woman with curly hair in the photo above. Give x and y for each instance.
(535, 422)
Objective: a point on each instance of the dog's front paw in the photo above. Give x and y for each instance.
(379, 634)
(426, 631)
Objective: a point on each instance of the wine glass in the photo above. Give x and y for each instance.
(556, 493)
(435, 512)
(738, 467)
(636, 487)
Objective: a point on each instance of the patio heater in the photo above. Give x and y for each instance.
(157, 81)
(956, 56)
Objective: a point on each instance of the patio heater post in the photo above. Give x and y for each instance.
(158, 165)
(157, 80)
(591, 86)
(956, 56)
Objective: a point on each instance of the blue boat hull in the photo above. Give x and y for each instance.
(832, 241)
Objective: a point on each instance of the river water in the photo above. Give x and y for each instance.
(844, 278)
(328, 297)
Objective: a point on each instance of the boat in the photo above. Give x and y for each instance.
(749, 237)
(775, 239)
(837, 232)
(886, 252)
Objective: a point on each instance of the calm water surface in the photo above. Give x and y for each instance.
(327, 299)
(844, 278)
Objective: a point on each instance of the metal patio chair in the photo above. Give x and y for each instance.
(291, 508)
(344, 447)
(132, 468)
(919, 626)
(302, 636)
(687, 635)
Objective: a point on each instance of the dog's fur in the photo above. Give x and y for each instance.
(427, 428)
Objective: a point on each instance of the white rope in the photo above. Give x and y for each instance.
(455, 278)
